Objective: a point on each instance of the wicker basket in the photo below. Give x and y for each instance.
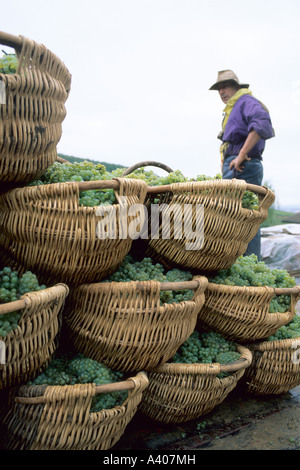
(242, 313)
(123, 325)
(183, 392)
(31, 119)
(31, 345)
(275, 368)
(59, 417)
(218, 227)
(43, 229)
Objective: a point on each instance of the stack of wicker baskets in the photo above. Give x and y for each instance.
(123, 325)
(242, 314)
(44, 230)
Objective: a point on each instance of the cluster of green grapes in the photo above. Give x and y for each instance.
(289, 331)
(249, 200)
(12, 287)
(206, 348)
(88, 171)
(152, 179)
(8, 63)
(80, 171)
(248, 271)
(147, 270)
(78, 369)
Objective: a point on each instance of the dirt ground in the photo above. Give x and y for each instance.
(241, 422)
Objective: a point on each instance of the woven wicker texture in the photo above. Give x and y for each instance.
(242, 313)
(31, 345)
(64, 421)
(31, 120)
(123, 325)
(226, 226)
(183, 392)
(275, 368)
(43, 229)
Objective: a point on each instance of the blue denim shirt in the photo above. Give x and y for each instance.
(247, 114)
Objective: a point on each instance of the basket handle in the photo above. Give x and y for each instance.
(194, 284)
(181, 285)
(100, 184)
(10, 40)
(105, 388)
(13, 306)
(250, 187)
(147, 163)
(158, 189)
(61, 160)
(234, 366)
(287, 290)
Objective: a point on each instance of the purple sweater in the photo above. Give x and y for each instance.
(247, 115)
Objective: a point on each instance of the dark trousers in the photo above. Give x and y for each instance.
(253, 174)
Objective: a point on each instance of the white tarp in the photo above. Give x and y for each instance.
(280, 248)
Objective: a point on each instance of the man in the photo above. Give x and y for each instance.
(245, 128)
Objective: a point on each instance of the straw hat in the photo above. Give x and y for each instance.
(225, 76)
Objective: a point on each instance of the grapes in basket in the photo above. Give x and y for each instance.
(289, 331)
(12, 287)
(80, 171)
(8, 63)
(147, 270)
(89, 171)
(249, 199)
(65, 369)
(206, 347)
(248, 271)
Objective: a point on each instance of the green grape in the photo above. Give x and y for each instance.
(12, 287)
(206, 348)
(8, 63)
(147, 270)
(80, 171)
(289, 331)
(65, 370)
(249, 199)
(88, 171)
(248, 271)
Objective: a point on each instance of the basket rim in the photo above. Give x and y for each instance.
(131, 383)
(24, 301)
(274, 344)
(242, 363)
(195, 283)
(252, 289)
(113, 183)
(262, 190)
(16, 42)
(11, 40)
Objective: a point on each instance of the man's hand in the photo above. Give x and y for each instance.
(250, 142)
(237, 163)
